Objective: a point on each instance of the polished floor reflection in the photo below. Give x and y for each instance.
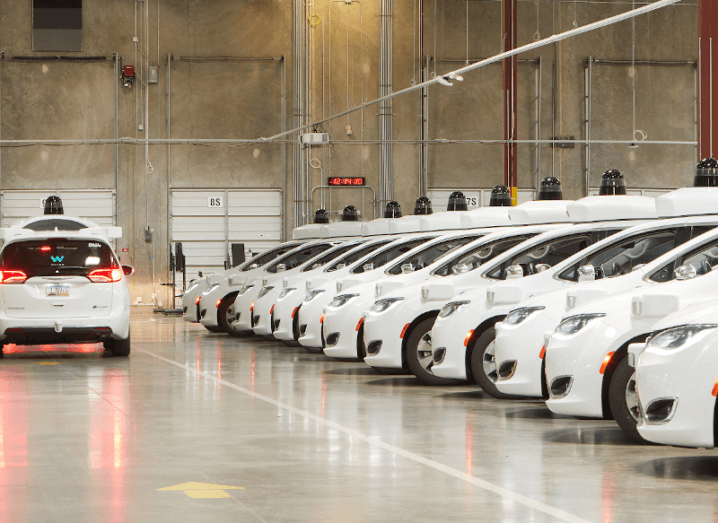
(253, 430)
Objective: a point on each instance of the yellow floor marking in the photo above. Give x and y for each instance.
(46, 363)
(197, 490)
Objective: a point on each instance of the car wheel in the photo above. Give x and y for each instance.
(119, 348)
(213, 328)
(623, 400)
(420, 356)
(225, 311)
(483, 363)
(361, 346)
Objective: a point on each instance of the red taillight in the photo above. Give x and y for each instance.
(8, 276)
(196, 302)
(468, 337)
(45, 248)
(105, 275)
(403, 331)
(606, 361)
(543, 352)
(294, 312)
(360, 324)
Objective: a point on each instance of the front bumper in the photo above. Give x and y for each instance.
(520, 345)
(189, 304)
(450, 333)
(262, 314)
(340, 327)
(310, 314)
(243, 309)
(283, 327)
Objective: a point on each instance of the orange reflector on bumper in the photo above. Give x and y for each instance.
(321, 320)
(294, 312)
(218, 302)
(196, 302)
(468, 337)
(403, 331)
(543, 352)
(251, 307)
(271, 311)
(715, 389)
(360, 324)
(606, 361)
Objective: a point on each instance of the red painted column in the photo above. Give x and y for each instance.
(509, 27)
(708, 53)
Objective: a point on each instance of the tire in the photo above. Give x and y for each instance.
(295, 324)
(118, 348)
(623, 400)
(225, 311)
(483, 363)
(418, 354)
(361, 346)
(213, 328)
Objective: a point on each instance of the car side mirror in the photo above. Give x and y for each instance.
(461, 268)
(254, 266)
(128, 270)
(586, 273)
(685, 272)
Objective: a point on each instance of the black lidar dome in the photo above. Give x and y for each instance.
(393, 210)
(53, 205)
(423, 206)
(350, 214)
(321, 216)
(706, 173)
(612, 183)
(550, 189)
(457, 202)
(500, 197)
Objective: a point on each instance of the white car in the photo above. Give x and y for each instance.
(612, 267)
(675, 380)
(289, 302)
(463, 334)
(235, 275)
(369, 268)
(244, 318)
(263, 310)
(587, 352)
(63, 286)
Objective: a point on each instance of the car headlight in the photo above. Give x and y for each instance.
(245, 288)
(211, 288)
(516, 316)
(265, 291)
(573, 324)
(342, 299)
(382, 305)
(286, 291)
(676, 337)
(451, 307)
(313, 294)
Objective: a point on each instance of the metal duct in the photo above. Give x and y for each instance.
(386, 108)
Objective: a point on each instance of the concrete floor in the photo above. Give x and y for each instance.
(89, 438)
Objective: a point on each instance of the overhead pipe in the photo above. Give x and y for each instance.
(386, 108)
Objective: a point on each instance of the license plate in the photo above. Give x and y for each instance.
(58, 290)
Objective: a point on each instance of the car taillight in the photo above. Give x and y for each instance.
(10, 276)
(105, 275)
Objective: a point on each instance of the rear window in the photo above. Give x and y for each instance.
(57, 257)
(51, 224)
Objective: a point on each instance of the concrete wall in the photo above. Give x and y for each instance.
(230, 99)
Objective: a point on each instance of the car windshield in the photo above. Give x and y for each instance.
(263, 259)
(290, 261)
(323, 260)
(389, 254)
(625, 256)
(356, 255)
(545, 255)
(57, 256)
(430, 254)
(474, 258)
(50, 224)
(701, 260)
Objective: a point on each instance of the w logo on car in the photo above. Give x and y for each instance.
(57, 259)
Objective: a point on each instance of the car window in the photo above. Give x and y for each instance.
(545, 255)
(57, 256)
(354, 256)
(430, 254)
(627, 255)
(294, 260)
(474, 258)
(263, 259)
(323, 260)
(701, 259)
(384, 257)
(50, 224)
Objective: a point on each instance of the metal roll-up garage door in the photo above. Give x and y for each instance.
(207, 221)
(97, 205)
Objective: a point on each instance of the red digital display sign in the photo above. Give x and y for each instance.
(345, 182)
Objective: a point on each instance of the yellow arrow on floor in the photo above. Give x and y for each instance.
(194, 489)
(46, 363)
